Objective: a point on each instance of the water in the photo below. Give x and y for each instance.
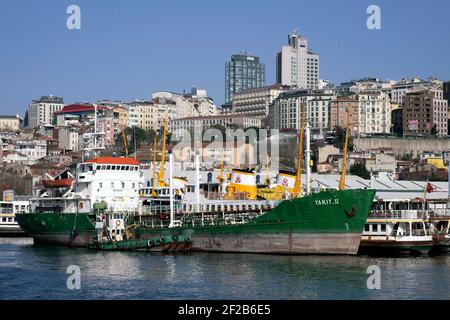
(31, 272)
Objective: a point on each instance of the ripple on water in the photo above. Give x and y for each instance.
(31, 272)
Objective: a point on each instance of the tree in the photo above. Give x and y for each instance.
(339, 138)
(360, 170)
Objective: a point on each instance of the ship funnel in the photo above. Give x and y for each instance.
(286, 179)
(242, 185)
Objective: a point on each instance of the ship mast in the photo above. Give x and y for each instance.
(197, 182)
(308, 158)
(161, 182)
(344, 162)
(154, 195)
(267, 170)
(298, 177)
(172, 216)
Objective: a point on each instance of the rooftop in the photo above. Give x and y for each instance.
(114, 160)
(76, 108)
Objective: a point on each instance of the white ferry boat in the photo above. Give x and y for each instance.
(8, 223)
(400, 232)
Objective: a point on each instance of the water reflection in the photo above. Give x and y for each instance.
(30, 272)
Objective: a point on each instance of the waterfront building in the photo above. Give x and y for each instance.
(374, 112)
(78, 113)
(119, 114)
(345, 110)
(200, 104)
(243, 72)
(68, 138)
(297, 65)
(10, 123)
(425, 112)
(41, 111)
(255, 102)
(149, 115)
(400, 88)
(32, 149)
(285, 115)
(226, 121)
(213, 154)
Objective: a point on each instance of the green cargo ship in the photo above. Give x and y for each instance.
(327, 222)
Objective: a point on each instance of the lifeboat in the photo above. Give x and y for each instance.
(62, 183)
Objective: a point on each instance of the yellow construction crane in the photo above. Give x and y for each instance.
(161, 182)
(125, 142)
(298, 177)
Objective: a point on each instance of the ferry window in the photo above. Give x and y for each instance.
(103, 167)
(127, 168)
(136, 168)
(123, 185)
(113, 168)
(90, 168)
(112, 185)
(134, 185)
(100, 185)
(383, 227)
(108, 168)
(3, 219)
(375, 228)
(10, 220)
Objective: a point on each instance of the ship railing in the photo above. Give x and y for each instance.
(395, 214)
(409, 214)
(157, 210)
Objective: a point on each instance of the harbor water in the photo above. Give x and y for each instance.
(33, 272)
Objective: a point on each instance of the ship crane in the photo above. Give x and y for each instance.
(344, 162)
(161, 182)
(298, 177)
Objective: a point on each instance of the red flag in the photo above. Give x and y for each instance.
(430, 188)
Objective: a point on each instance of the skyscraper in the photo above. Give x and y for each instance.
(243, 72)
(297, 65)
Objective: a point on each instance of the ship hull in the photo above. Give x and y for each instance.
(396, 247)
(329, 222)
(60, 229)
(267, 243)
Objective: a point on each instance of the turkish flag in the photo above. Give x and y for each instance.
(430, 188)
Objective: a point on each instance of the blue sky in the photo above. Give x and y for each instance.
(128, 49)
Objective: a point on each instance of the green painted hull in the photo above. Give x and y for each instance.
(329, 222)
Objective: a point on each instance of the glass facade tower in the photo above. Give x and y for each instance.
(243, 72)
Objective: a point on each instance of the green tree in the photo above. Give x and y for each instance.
(339, 138)
(360, 170)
